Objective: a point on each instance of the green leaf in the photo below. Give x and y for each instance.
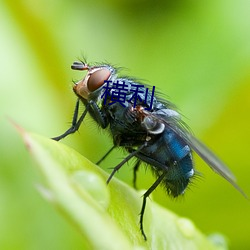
(107, 215)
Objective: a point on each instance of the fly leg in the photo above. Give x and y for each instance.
(116, 168)
(145, 196)
(135, 169)
(90, 107)
(75, 124)
(105, 155)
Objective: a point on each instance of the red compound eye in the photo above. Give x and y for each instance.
(96, 79)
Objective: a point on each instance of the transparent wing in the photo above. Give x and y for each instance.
(207, 155)
(174, 123)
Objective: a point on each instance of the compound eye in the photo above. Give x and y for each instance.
(96, 79)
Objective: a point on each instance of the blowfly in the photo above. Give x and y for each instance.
(148, 127)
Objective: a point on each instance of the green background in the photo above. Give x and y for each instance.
(196, 53)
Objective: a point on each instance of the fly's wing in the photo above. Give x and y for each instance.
(212, 160)
(175, 124)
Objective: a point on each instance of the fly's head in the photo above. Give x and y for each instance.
(93, 81)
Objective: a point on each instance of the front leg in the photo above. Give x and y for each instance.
(95, 112)
(75, 124)
(99, 116)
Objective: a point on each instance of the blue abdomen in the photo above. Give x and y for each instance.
(168, 154)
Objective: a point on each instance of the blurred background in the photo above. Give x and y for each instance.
(196, 53)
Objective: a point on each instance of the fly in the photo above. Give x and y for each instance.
(148, 127)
